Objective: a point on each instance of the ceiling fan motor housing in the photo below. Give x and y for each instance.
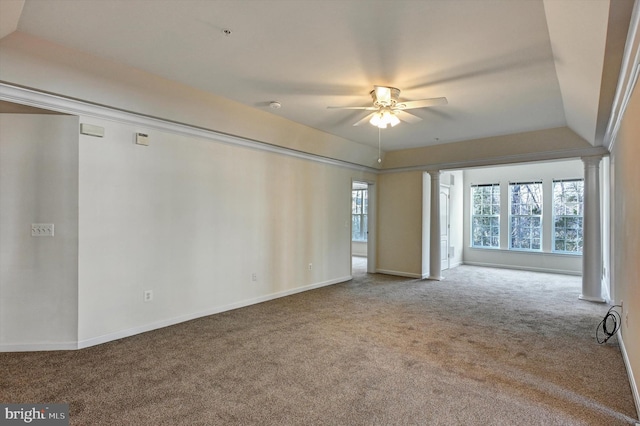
(385, 96)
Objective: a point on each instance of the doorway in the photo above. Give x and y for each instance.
(362, 228)
(445, 227)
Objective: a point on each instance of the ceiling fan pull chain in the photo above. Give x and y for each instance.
(379, 159)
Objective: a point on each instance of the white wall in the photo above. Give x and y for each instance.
(404, 225)
(38, 275)
(187, 217)
(192, 219)
(400, 224)
(625, 232)
(545, 260)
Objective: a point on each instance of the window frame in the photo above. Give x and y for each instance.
(491, 217)
(554, 232)
(521, 216)
(361, 211)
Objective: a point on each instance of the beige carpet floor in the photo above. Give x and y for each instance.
(483, 347)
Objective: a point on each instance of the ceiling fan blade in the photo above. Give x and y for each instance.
(369, 108)
(405, 116)
(364, 120)
(423, 103)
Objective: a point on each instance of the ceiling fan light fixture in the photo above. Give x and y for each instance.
(376, 119)
(388, 111)
(383, 118)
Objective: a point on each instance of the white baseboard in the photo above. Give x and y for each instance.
(32, 347)
(521, 268)
(183, 318)
(400, 273)
(632, 381)
(454, 264)
(121, 334)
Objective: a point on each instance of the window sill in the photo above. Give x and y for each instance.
(528, 252)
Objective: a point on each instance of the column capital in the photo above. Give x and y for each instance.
(434, 173)
(592, 160)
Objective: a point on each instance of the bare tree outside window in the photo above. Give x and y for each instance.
(525, 218)
(568, 204)
(359, 208)
(485, 216)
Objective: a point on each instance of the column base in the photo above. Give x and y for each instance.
(440, 278)
(591, 299)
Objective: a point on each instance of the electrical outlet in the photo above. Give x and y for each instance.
(310, 266)
(254, 277)
(148, 295)
(42, 229)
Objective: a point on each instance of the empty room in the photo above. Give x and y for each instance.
(347, 212)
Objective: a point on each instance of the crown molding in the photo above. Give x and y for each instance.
(64, 105)
(629, 72)
(506, 159)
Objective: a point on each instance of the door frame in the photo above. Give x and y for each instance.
(371, 226)
(446, 190)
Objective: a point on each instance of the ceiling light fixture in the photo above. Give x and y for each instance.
(275, 104)
(383, 118)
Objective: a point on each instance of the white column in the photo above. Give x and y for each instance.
(592, 234)
(435, 266)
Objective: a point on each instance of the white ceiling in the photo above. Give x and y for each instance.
(494, 60)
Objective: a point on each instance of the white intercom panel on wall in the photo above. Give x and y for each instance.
(91, 130)
(142, 139)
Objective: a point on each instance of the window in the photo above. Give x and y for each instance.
(359, 208)
(525, 218)
(568, 201)
(485, 216)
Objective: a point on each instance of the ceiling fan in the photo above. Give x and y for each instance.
(388, 111)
